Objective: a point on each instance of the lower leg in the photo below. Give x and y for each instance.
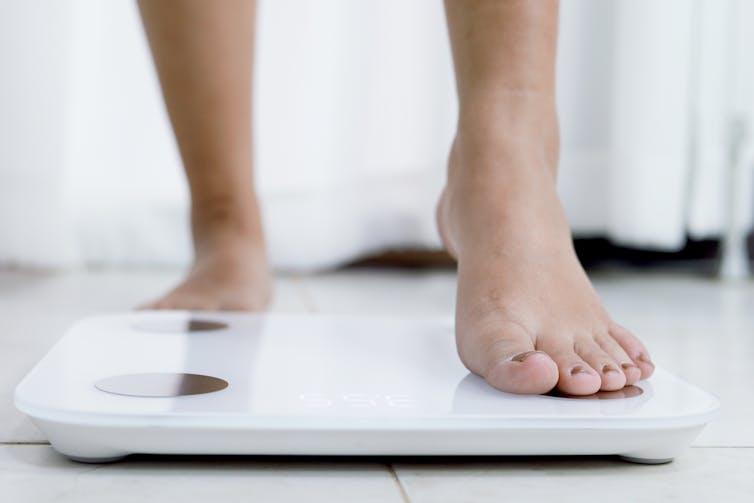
(203, 52)
(527, 318)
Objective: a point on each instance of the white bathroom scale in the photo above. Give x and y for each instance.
(173, 382)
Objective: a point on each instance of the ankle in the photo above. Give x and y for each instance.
(504, 123)
(226, 225)
(497, 146)
(507, 108)
(501, 168)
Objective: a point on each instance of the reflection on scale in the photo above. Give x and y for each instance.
(196, 385)
(473, 396)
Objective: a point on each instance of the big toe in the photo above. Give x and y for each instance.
(527, 372)
(509, 362)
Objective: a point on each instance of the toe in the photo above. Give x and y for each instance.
(509, 362)
(610, 372)
(634, 349)
(619, 355)
(576, 377)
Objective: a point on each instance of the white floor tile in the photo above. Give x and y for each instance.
(702, 474)
(96, 292)
(383, 292)
(36, 473)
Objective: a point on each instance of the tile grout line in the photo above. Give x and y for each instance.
(401, 489)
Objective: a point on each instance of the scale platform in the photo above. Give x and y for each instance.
(174, 382)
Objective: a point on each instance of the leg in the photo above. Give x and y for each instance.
(203, 52)
(527, 317)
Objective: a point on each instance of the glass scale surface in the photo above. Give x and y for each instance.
(173, 382)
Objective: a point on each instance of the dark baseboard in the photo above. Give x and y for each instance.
(699, 256)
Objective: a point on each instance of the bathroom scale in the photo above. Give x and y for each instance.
(176, 382)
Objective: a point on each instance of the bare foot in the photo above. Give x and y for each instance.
(527, 317)
(230, 271)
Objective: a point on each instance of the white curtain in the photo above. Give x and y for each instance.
(354, 113)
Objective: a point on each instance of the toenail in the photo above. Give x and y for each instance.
(523, 356)
(578, 369)
(609, 368)
(645, 359)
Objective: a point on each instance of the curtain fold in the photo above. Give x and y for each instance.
(649, 124)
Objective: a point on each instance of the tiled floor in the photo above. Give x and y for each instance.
(698, 328)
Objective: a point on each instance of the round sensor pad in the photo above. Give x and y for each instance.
(161, 385)
(178, 325)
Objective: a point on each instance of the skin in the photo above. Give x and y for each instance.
(527, 317)
(203, 52)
